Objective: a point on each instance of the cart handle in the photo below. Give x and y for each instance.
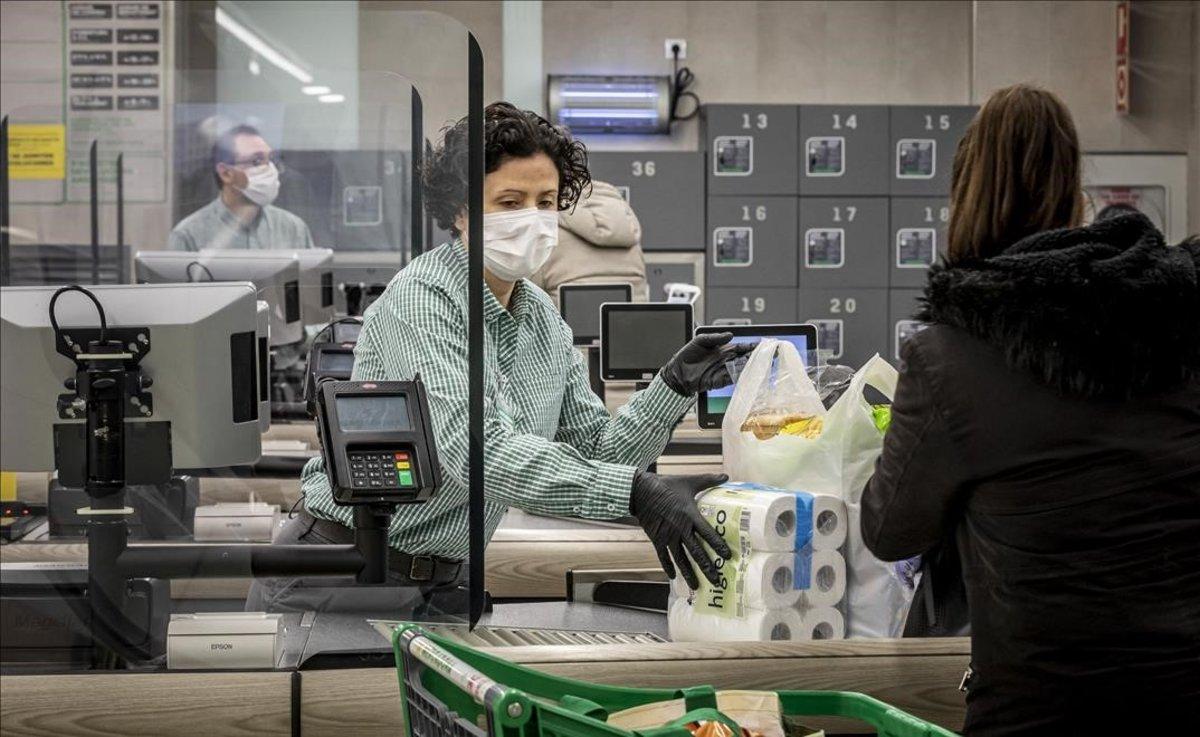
(483, 690)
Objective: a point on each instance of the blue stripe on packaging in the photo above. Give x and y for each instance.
(802, 562)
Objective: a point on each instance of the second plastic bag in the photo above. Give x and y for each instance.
(838, 458)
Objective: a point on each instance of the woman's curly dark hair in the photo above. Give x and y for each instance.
(507, 133)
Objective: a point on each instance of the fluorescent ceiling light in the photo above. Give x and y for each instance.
(261, 47)
(608, 95)
(569, 112)
(332, 98)
(315, 89)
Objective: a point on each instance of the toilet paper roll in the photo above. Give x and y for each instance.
(768, 581)
(829, 522)
(684, 624)
(822, 623)
(827, 580)
(767, 518)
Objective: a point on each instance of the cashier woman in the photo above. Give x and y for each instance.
(551, 446)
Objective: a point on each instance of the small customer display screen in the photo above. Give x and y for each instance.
(712, 404)
(337, 361)
(580, 307)
(638, 339)
(373, 413)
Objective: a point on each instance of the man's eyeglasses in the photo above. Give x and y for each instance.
(258, 160)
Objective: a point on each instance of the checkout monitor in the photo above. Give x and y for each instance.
(201, 360)
(580, 307)
(316, 285)
(711, 405)
(637, 339)
(276, 274)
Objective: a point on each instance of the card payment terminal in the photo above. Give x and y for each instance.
(377, 441)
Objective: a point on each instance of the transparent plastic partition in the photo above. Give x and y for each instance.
(164, 449)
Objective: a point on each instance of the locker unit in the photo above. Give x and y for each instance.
(665, 189)
(752, 149)
(750, 305)
(663, 268)
(751, 242)
(843, 242)
(851, 323)
(923, 140)
(918, 237)
(844, 150)
(902, 305)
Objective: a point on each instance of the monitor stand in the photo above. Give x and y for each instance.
(593, 358)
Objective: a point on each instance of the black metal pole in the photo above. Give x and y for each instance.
(122, 259)
(475, 287)
(5, 260)
(417, 197)
(593, 354)
(238, 561)
(94, 182)
(370, 537)
(103, 382)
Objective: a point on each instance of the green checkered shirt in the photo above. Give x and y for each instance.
(551, 447)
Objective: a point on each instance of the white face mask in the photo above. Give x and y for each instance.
(262, 184)
(516, 244)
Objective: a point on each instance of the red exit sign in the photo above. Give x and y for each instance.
(1123, 57)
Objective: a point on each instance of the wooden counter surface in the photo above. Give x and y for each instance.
(178, 704)
(919, 676)
(520, 563)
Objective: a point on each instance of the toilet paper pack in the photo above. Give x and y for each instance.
(774, 535)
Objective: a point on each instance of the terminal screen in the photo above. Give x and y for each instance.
(734, 156)
(717, 400)
(377, 413)
(336, 361)
(915, 158)
(645, 341)
(824, 248)
(733, 247)
(916, 248)
(581, 309)
(825, 157)
(829, 337)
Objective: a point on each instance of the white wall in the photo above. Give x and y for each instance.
(322, 38)
(808, 52)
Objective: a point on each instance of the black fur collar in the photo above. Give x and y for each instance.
(1105, 310)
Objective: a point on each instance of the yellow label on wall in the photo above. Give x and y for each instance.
(8, 486)
(37, 151)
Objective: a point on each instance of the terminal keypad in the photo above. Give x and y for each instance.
(377, 469)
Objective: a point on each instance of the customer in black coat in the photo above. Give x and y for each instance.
(1044, 451)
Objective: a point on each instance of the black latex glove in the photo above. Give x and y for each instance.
(665, 506)
(700, 366)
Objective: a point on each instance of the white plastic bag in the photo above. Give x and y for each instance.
(839, 461)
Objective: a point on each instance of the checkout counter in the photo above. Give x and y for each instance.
(334, 673)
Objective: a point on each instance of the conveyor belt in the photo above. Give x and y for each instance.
(488, 636)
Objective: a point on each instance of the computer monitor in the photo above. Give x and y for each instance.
(360, 277)
(579, 305)
(316, 285)
(276, 274)
(36, 264)
(262, 342)
(637, 339)
(201, 361)
(711, 405)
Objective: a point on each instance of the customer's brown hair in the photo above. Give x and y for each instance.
(1016, 172)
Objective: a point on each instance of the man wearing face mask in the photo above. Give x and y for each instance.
(247, 174)
(551, 446)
